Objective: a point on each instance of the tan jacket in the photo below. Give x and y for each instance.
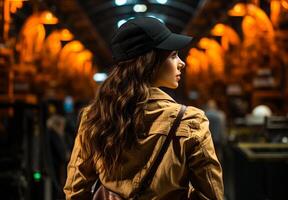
(189, 167)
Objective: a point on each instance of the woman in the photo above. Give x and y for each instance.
(126, 124)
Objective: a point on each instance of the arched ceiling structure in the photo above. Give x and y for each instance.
(94, 21)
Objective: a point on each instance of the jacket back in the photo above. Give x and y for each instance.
(189, 168)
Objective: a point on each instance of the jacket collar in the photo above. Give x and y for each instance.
(158, 94)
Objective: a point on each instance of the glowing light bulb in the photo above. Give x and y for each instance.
(120, 2)
(99, 77)
(162, 1)
(140, 8)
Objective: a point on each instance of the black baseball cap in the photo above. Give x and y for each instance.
(142, 34)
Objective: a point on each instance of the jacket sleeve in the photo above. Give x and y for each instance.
(80, 175)
(205, 169)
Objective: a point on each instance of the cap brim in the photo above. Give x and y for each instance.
(175, 42)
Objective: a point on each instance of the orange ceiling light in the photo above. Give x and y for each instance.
(66, 35)
(228, 35)
(218, 30)
(214, 54)
(204, 43)
(210, 44)
(233, 36)
(75, 46)
(31, 39)
(284, 4)
(47, 17)
(51, 49)
(196, 61)
(249, 27)
(83, 59)
(14, 5)
(275, 7)
(68, 54)
(238, 10)
(261, 22)
(249, 21)
(88, 68)
(84, 55)
(193, 65)
(225, 43)
(76, 63)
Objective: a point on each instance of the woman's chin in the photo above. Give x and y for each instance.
(173, 86)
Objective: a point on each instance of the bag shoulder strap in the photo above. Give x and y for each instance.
(147, 179)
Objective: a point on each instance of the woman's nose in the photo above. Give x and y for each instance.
(181, 64)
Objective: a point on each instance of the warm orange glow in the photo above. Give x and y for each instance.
(193, 65)
(209, 44)
(203, 60)
(196, 62)
(74, 45)
(214, 54)
(275, 8)
(262, 19)
(31, 39)
(83, 59)
(232, 35)
(249, 26)
(238, 10)
(69, 56)
(69, 49)
(228, 34)
(284, 4)
(250, 21)
(257, 22)
(84, 55)
(14, 5)
(88, 68)
(66, 35)
(48, 18)
(6, 19)
(51, 49)
(217, 62)
(204, 43)
(13, 9)
(218, 30)
(225, 42)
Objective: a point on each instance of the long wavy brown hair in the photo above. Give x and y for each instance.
(114, 119)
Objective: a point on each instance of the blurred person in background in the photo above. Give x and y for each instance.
(217, 125)
(58, 150)
(70, 114)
